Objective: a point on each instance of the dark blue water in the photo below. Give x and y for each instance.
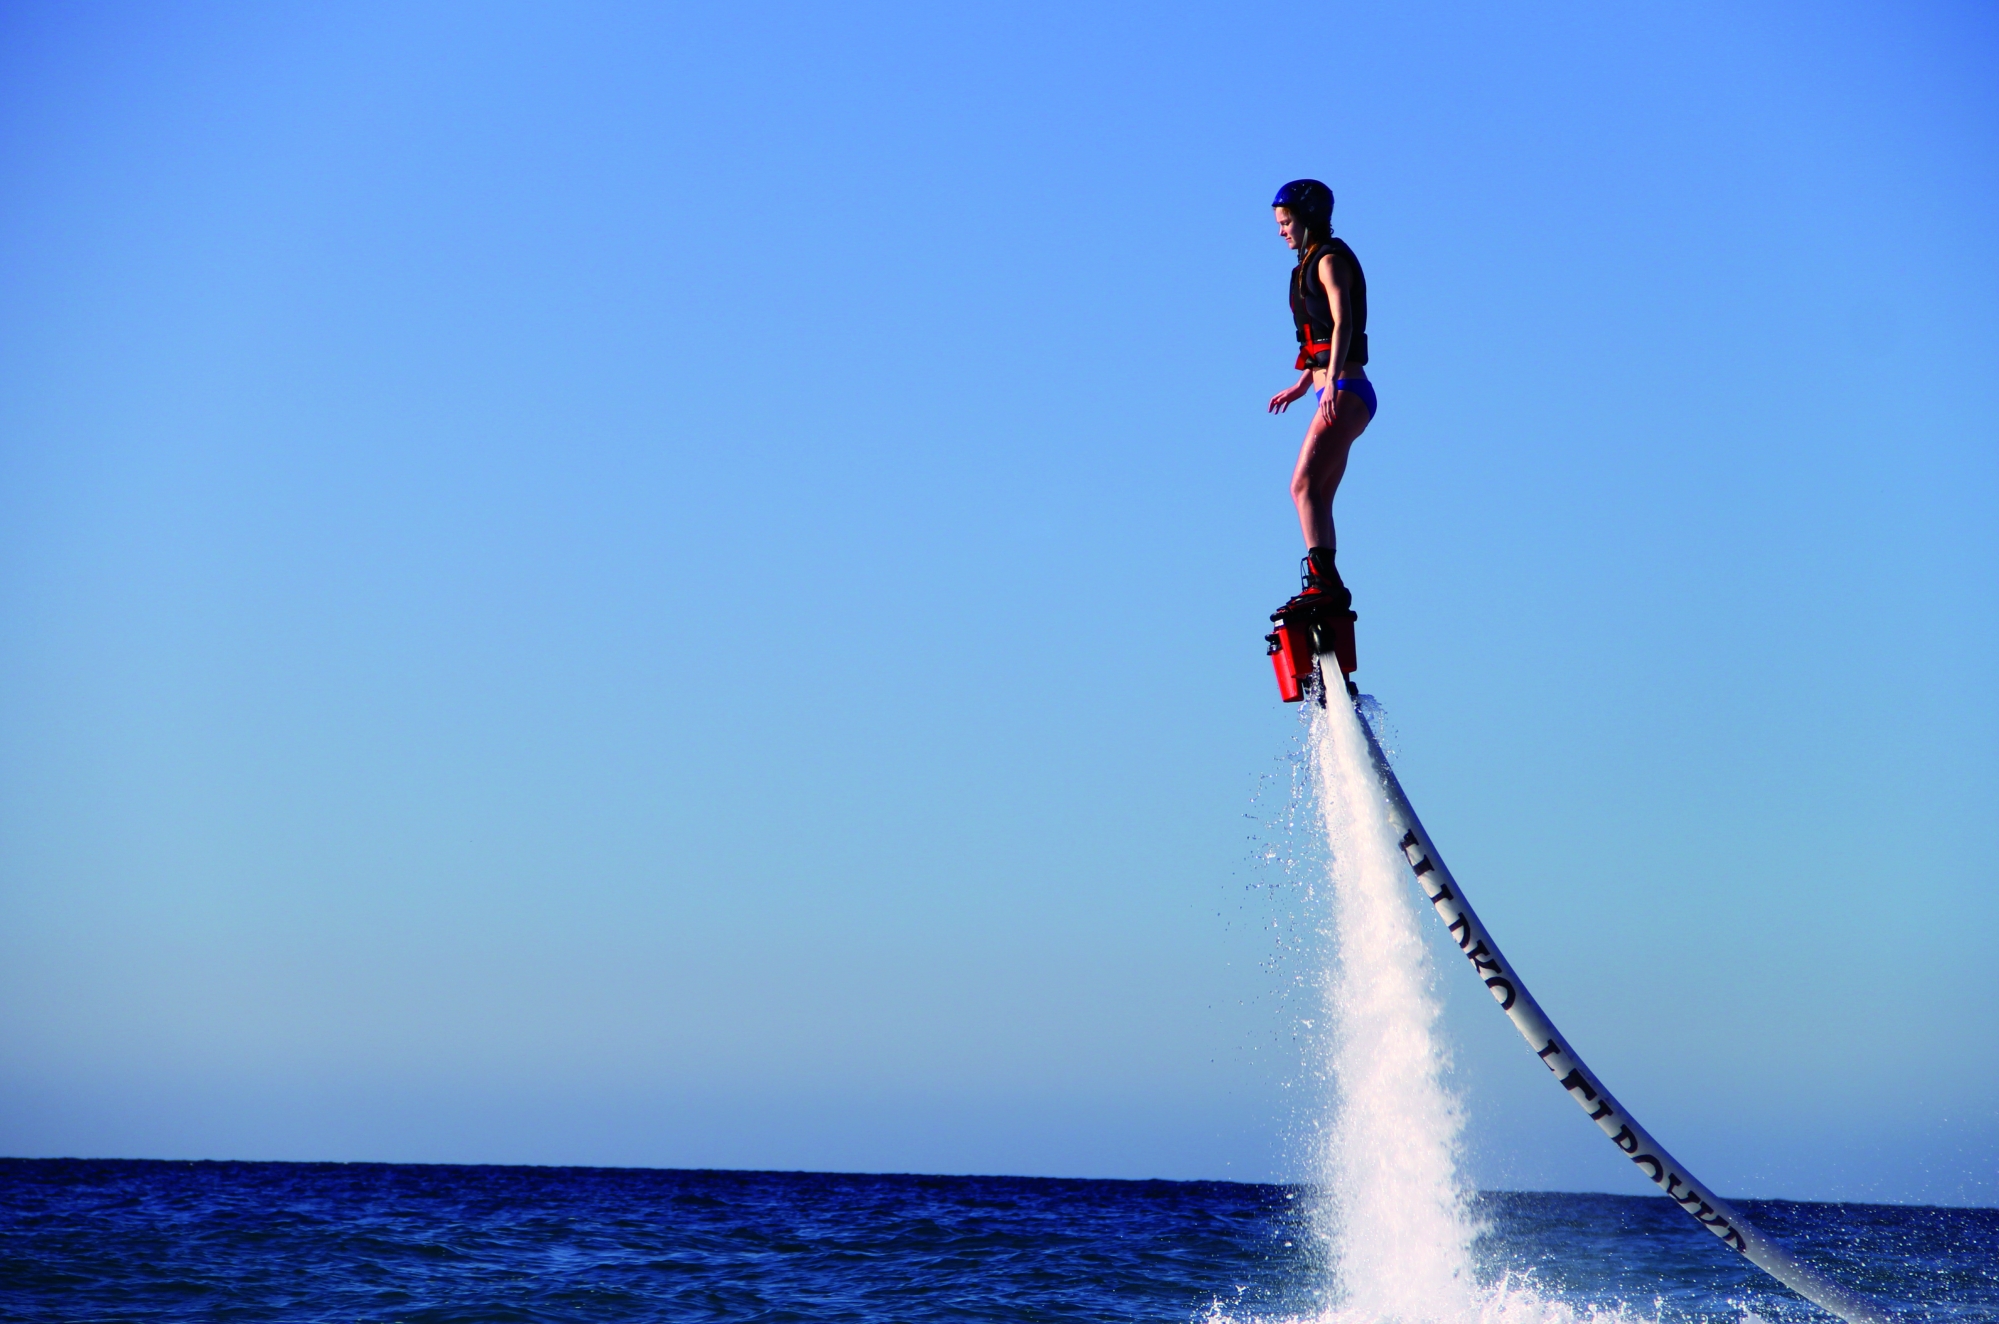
(108, 1241)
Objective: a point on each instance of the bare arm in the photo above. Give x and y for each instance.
(1336, 300)
(1291, 394)
(1336, 297)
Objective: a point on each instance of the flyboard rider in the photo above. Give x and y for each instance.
(1329, 310)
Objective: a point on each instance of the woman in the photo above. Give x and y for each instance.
(1329, 306)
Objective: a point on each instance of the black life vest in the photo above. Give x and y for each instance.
(1312, 307)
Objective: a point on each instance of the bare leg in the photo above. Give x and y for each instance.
(1322, 462)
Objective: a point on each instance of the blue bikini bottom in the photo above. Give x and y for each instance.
(1359, 386)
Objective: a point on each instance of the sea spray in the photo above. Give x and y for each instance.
(1393, 1210)
(1393, 1215)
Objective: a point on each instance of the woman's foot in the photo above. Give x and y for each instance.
(1322, 578)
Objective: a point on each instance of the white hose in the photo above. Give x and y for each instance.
(1504, 982)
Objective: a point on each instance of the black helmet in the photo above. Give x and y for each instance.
(1310, 201)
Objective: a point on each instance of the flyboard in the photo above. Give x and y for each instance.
(1305, 630)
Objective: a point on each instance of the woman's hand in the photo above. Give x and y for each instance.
(1284, 399)
(1329, 405)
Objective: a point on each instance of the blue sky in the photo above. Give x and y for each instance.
(620, 584)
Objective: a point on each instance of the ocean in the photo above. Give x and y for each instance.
(1386, 1230)
(108, 1240)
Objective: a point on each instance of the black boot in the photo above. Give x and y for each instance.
(1322, 577)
